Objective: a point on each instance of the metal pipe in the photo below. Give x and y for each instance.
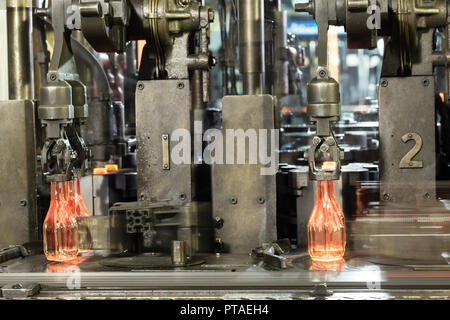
(197, 90)
(281, 81)
(92, 75)
(99, 130)
(20, 49)
(251, 45)
(178, 253)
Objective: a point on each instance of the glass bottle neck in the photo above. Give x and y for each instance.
(325, 189)
(77, 186)
(57, 191)
(70, 189)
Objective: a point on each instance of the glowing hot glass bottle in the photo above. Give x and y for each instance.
(60, 229)
(79, 210)
(326, 227)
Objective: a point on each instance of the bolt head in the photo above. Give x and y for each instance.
(330, 141)
(211, 15)
(316, 140)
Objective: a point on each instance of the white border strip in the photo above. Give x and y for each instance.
(4, 82)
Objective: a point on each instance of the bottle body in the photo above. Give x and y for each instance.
(60, 229)
(326, 226)
(79, 210)
(85, 238)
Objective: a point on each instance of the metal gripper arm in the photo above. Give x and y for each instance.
(324, 155)
(63, 108)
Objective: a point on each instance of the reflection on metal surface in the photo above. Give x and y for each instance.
(66, 266)
(148, 261)
(327, 265)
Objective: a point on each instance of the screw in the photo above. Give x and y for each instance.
(316, 140)
(164, 137)
(410, 135)
(426, 82)
(324, 148)
(233, 200)
(261, 200)
(53, 77)
(427, 196)
(387, 197)
(183, 196)
(211, 15)
(23, 203)
(330, 141)
(180, 85)
(304, 7)
(384, 83)
(322, 73)
(219, 223)
(213, 61)
(166, 166)
(141, 86)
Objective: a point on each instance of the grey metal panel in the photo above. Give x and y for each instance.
(249, 222)
(18, 220)
(87, 192)
(161, 107)
(407, 106)
(100, 195)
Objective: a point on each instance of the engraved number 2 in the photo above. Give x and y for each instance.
(407, 161)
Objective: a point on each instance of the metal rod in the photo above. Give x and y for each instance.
(20, 49)
(251, 45)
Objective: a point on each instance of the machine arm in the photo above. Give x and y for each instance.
(324, 155)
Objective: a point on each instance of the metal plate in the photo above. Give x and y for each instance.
(248, 222)
(18, 221)
(407, 106)
(161, 107)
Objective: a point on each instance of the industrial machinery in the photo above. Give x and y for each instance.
(199, 130)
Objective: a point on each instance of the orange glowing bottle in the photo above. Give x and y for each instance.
(60, 230)
(79, 210)
(326, 227)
